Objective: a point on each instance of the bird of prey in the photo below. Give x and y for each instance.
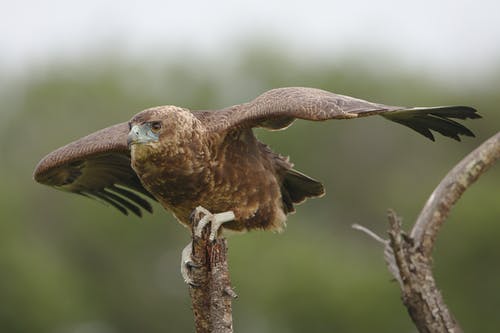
(185, 159)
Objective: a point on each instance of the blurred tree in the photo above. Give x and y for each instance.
(73, 265)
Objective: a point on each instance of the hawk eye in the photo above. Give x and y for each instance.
(155, 126)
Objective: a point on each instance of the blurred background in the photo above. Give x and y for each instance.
(72, 265)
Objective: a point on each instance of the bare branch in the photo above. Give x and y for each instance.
(409, 257)
(449, 191)
(369, 233)
(411, 260)
(210, 290)
(420, 294)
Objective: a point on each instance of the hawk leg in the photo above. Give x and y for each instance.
(187, 263)
(215, 221)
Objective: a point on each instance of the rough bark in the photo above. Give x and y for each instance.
(409, 257)
(420, 294)
(210, 291)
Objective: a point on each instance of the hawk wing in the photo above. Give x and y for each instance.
(96, 166)
(278, 108)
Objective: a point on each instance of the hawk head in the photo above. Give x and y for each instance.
(159, 124)
(161, 131)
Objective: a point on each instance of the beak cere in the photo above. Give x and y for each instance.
(134, 135)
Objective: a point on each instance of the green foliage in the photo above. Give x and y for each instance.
(69, 264)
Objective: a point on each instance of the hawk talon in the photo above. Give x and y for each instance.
(187, 264)
(193, 285)
(201, 209)
(215, 220)
(190, 265)
(202, 224)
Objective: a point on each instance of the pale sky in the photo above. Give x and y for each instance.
(451, 35)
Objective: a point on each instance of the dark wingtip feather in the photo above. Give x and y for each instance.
(127, 204)
(415, 126)
(104, 198)
(133, 197)
(438, 119)
(457, 112)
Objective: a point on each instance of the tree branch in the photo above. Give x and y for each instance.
(420, 294)
(210, 290)
(450, 189)
(409, 257)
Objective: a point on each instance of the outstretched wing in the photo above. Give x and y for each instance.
(97, 166)
(278, 108)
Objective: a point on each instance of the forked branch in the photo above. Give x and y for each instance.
(450, 189)
(409, 256)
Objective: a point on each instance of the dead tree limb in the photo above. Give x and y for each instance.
(450, 189)
(210, 290)
(409, 256)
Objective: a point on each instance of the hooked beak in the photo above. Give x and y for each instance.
(140, 134)
(136, 135)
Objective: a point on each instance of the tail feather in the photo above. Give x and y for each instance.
(297, 187)
(439, 119)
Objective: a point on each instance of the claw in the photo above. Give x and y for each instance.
(202, 224)
(187, 263)
(215, 220)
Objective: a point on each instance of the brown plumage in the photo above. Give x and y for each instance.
(186, 158)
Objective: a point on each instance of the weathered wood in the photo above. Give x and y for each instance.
(412, 255)
(409, 257)
(420, 294)
(210, 290)
(450, 189)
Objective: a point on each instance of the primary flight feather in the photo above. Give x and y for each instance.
(185, 159)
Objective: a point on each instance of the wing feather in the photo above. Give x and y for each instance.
(277, 109)
(133, 197)
(97, 166)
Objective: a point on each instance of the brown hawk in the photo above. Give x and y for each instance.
(185, 159)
